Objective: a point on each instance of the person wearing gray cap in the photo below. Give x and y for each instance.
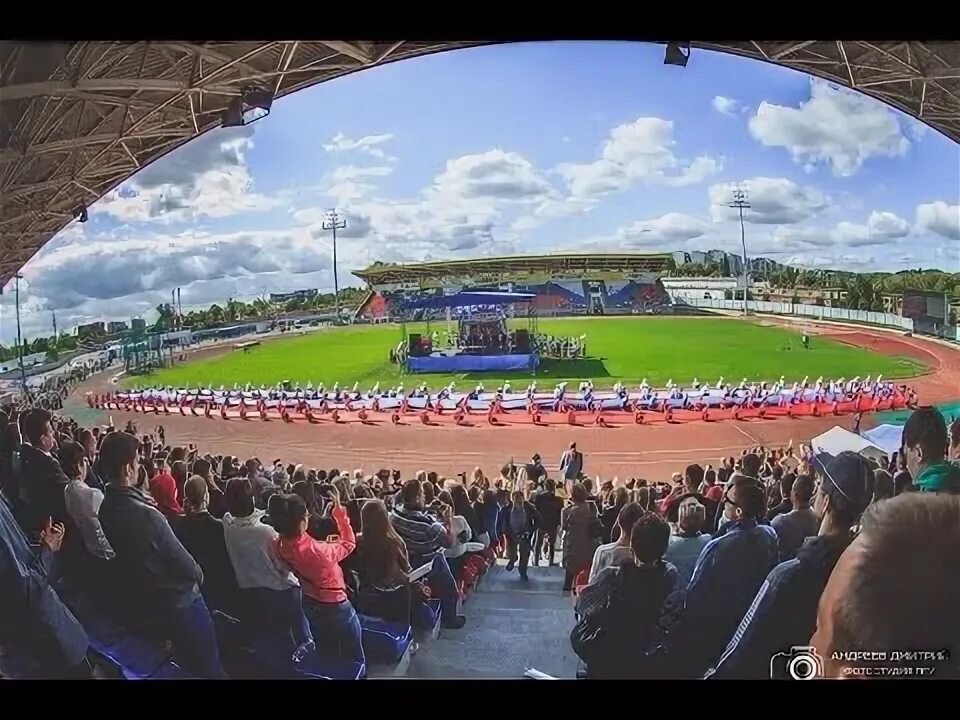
(783, 615)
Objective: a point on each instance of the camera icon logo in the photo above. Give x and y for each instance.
(800, 663)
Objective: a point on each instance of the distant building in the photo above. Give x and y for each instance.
(680, 257)
(116, 326)
(296, 295)
(138, 324)
(90, 330)
(698, 256)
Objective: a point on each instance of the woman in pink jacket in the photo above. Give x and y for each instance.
(336, 628)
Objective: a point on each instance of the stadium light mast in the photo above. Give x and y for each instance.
(740, 202)
(23, 373)
(333, 222)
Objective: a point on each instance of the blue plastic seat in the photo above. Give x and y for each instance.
(384, 641)
(425, 615)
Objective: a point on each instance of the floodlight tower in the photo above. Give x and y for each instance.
(741, 202)
(333, 222)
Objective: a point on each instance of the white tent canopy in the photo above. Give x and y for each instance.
(887, 437)
(837, 440)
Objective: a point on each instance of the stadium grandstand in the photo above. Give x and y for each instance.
(572, 283)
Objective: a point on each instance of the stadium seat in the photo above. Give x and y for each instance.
(425, 615)
(267, 660)
(384, 642)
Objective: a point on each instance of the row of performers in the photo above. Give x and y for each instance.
(721, 395)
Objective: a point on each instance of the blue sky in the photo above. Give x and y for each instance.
(519, 148)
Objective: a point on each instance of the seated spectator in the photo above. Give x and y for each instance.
(334, 622)
(456, 554)
(463, 508)
(779, 487)
(163, 489)
(320, 526)
(610, 513)
(619, 552)
(882, 485)
(784, 612)
(88, 441)
(582, 531)
(270, 599)
(925, 452)
(83, 502)
(794, 527)
(153, 578)
(521, 523)
(688, 542)
(42, 481)
(714, 489)
(216, 505)
(202, 535)
(628, 601)
(40, 638)
(425, 537)
(382, 566)
(726, 578)
(902, 480)
(690, 488)
(880, 598)
(488, 513)
(955, 439)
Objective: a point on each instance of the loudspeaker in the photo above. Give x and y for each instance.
(521, 342)
(414, 345)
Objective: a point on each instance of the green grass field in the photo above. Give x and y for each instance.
(626, 349)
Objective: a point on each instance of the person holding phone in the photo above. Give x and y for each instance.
(334, 622)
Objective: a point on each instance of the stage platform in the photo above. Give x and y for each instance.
(471, 363)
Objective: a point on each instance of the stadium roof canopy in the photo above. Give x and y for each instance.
(78, 118)
(516, 266)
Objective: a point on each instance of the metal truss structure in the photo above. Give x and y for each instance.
(78, 118)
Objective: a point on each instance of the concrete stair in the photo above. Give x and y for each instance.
(511, 626)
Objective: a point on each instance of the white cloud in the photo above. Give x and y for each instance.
(725, 105)
(772, 201)
(348, 183)
(940, 218)
(206, 178)
(836, 127)
(668, 232)
(565, 139)
(640, 151)
(553, 208)
(368, 144)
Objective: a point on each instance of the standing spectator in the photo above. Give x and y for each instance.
(688, 542)
(456, 554)
(178, 469)
(800, 523)
(425, 537)
(89, 443)
(40, 638)
(782, 485)
(153, 575)
(488, 511)
(690, 488)
(784, 612)
(334, 622)
(925, 452)
(582, 531)
(270, 596)
(521, 524)
(571, 466)
(463, 508)
(902, 480)
(202, 535)
(163, 489)
(549, 506)
(955, 439)
(619, 552)
(42, 481)
(714, 489)
(536, 472)
(865, 605)
(727, 576)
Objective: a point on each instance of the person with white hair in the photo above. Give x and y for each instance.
(688, 539)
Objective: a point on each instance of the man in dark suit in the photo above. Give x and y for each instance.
(42, 481)
(549, 506)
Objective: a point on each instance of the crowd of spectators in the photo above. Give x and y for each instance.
(712, 574)
(780, 565)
